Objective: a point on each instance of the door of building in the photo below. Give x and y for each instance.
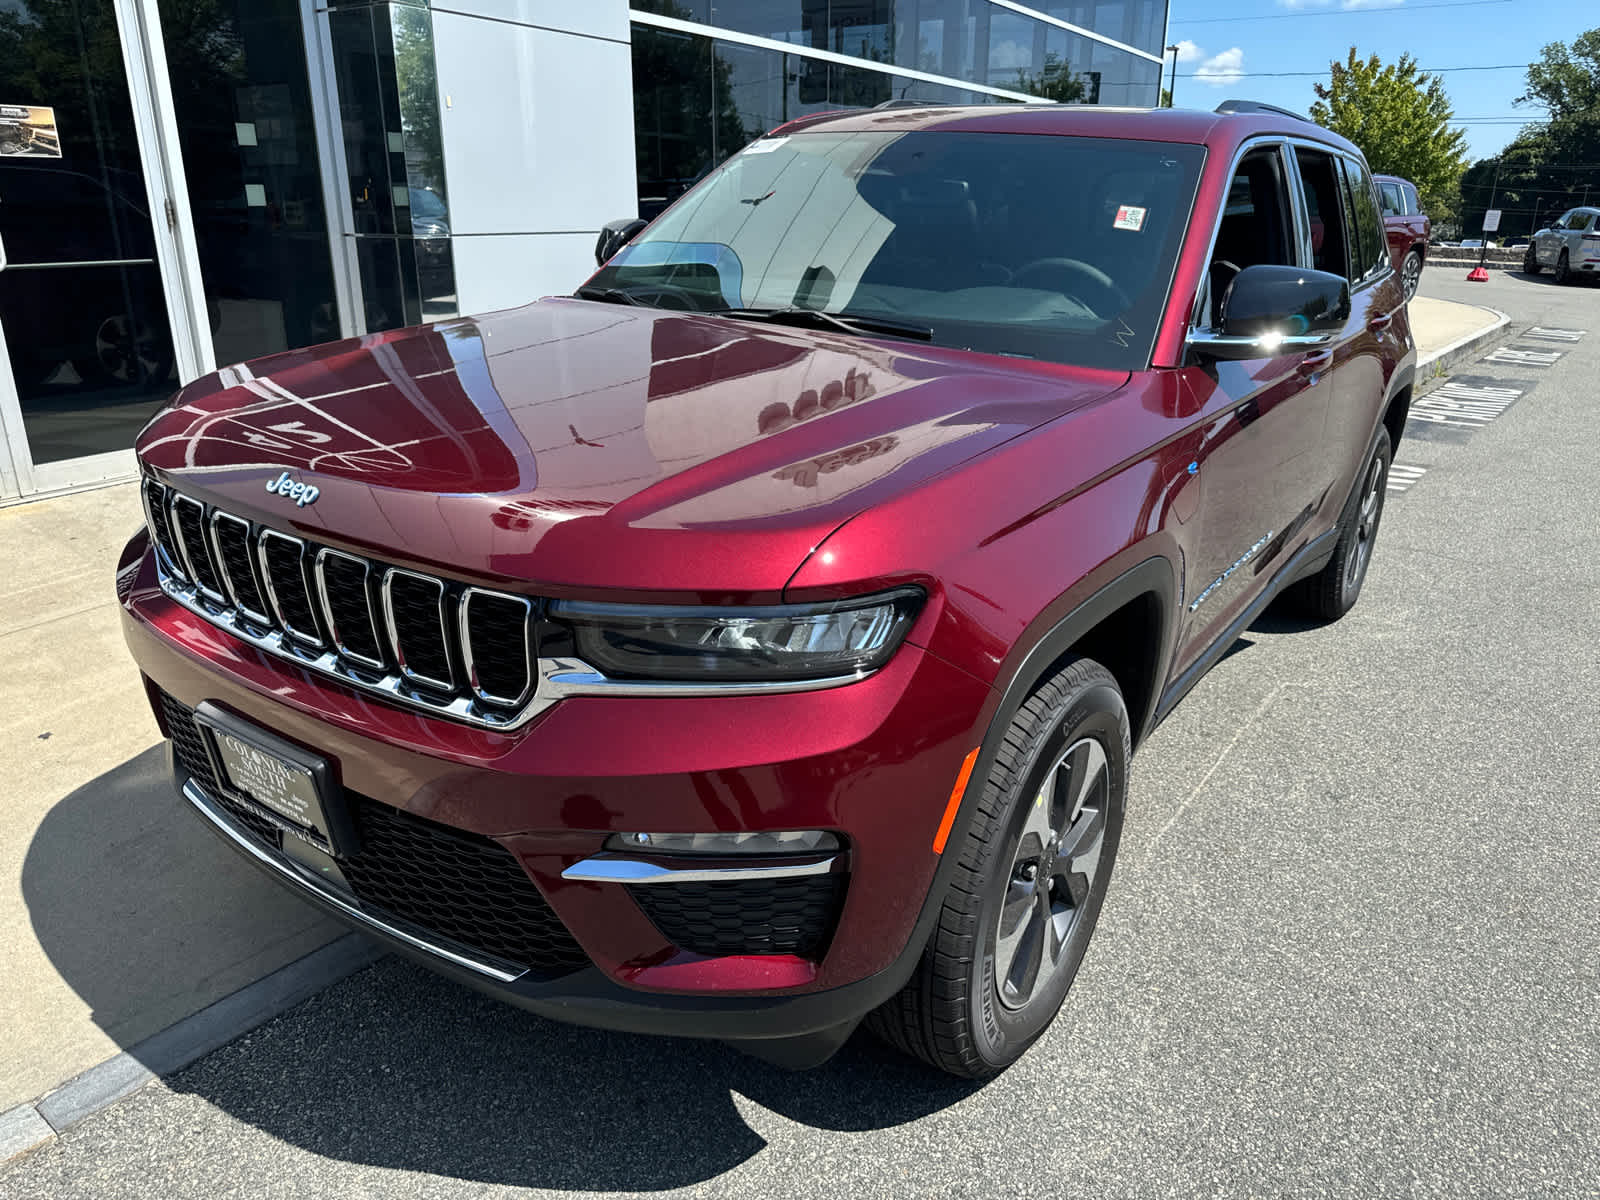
(163, 209)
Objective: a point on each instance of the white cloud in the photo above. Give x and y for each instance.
(1297, 5)
(1370, 3)
(1221, 69)
(1188, 51)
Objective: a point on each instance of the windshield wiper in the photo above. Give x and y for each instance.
(815, 318)
(611, 296)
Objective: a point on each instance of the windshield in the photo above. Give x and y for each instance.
(1058, 248)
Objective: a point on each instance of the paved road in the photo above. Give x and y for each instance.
(1351, 946)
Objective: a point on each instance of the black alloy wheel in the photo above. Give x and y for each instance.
(1530, 262)
(1411, 273)
(1563, 269)
(1334, 590)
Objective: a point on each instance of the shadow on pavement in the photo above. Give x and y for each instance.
(142, 911)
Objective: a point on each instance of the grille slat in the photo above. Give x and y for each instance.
(155, 511)
(414, 606)
(189, 521)
(462, 886)
(757, 916)
(347, 604)
(231, 537)
(284, 567)
(495, 633)
(401, 633)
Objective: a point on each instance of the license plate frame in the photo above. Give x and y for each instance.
(291, 786)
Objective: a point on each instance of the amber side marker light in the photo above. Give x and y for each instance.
(956, 793)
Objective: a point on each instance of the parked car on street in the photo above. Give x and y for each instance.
(754, 642)
(1570, 247)
(1406, 226)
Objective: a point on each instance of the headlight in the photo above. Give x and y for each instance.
(798, 641)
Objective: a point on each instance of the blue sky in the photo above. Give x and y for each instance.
(1230, 47)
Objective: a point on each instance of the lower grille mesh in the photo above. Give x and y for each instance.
(758, 916)
(460, 885)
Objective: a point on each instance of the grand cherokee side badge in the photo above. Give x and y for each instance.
(301, 493)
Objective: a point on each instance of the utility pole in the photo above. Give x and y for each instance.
(1172, 86)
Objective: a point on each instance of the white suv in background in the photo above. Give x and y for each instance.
(1569, 247)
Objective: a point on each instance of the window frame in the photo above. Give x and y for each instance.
(1297, 234)
(1383, 267)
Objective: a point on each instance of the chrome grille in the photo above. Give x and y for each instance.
(230, 538)
(413, 607)
(188, 519)
(283, 565)
(460, 652)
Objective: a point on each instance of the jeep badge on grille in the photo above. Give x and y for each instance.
(301, 493)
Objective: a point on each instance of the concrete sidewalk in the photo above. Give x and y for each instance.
(119, 913)
(121, 917)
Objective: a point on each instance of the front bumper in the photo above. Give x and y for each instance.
(873, 762)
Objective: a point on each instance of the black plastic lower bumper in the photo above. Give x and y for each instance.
(587, 996)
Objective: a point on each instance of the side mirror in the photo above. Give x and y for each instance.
(1270, 310)
(614, 235)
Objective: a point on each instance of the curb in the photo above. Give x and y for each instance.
(30, 1125)
(1470, 346)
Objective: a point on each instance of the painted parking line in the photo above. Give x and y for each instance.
(1403, 475)
(1462, 405)
(1525, 358)
(1541, 333)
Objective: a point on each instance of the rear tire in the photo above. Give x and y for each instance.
(1031, 877)
(1334, 590)
(1411, 273)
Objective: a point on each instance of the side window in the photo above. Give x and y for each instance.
(1581, 221)
(1413, 205)
(1325, 206)
(1371, 255)
(1566, 217)
(1254, 229)
(1394, 204)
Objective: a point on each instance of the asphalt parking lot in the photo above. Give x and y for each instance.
(1352, 946)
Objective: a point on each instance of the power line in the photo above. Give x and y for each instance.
(1334, 12)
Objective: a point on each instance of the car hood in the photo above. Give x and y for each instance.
(583, 446)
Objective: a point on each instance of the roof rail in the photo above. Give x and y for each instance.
(904, 103)
(1256, 106)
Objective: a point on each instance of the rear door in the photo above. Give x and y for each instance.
(1374, 336)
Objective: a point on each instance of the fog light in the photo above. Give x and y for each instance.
(798, 841)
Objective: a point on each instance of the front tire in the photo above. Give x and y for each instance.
(1530, 262)
(1334, 590)
(1031, 878)
(1563, 269)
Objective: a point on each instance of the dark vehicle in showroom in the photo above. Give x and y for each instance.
(1407, 228)
(754, 642)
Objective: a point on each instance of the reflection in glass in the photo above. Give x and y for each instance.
(383, 64)
(243, 104)
(82, 302)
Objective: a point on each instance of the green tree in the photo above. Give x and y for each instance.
(1054, 81)
(1400, 118)
(1566, 80)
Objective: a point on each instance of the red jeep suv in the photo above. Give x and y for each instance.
(755, 641)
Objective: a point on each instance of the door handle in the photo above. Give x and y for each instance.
(1312, 363)
(1380, 323)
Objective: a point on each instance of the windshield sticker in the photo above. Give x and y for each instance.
(1129, 216)
(765, 145)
